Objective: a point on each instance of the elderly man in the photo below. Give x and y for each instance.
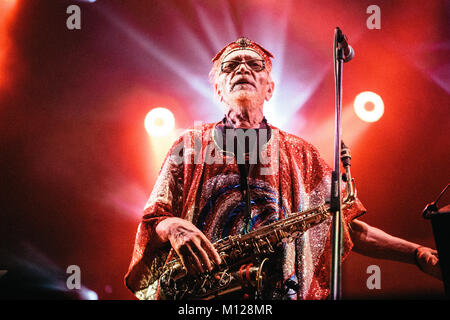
(195, 202)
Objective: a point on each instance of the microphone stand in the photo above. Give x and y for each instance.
(335, 200)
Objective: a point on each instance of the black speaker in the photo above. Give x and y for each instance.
(440, 222)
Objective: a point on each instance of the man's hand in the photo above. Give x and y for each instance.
(195, 251)
(428, 261)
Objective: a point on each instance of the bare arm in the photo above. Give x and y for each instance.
(376, 243)
(373, 242)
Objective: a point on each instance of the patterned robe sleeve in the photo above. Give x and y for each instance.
(320, 173)
(311, 185)
(165, 201)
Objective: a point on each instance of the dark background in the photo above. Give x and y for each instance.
(77, 164)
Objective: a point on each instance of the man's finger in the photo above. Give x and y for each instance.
(195, 259)
(211, 250)
(204, 255)
(188, 260)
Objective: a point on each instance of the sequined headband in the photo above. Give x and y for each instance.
(244, 44)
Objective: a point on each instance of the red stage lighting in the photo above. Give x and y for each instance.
(368, 106)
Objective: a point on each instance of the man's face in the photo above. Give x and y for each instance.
(245, 82)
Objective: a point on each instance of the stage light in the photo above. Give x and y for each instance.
(368, 106)
(159, 122)
(87, 294)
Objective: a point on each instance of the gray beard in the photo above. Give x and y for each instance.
(246, 102)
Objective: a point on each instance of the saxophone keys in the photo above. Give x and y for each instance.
(296, 234)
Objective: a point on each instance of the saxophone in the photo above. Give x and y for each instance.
(244, 257)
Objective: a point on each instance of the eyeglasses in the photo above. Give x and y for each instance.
(254, 64)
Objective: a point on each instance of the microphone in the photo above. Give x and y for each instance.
(432, 207)
(429, 209)
(342, 41)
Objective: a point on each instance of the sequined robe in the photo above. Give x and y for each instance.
(200, 182)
